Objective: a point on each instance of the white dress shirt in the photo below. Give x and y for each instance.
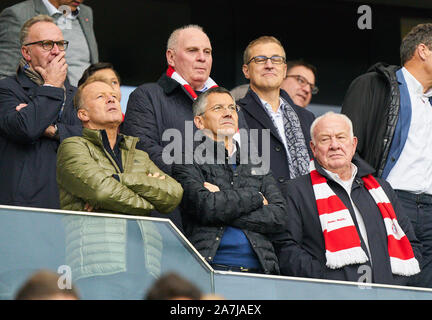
(413, 170)
(278, 121)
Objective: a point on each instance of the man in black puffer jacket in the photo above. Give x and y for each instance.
(229, 209)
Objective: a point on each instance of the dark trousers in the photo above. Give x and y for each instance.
(418, 207)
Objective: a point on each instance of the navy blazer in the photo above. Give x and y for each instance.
(27, 157)
(257, 118)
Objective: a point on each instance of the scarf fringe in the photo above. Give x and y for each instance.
(338, 259)
(405, 268)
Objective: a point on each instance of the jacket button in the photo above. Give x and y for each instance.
(217, 238)
(232, 182)
(277, 148)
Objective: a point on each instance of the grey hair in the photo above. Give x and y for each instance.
(30, 22)
(421, 33)
(200, 104)
(173, 38)
(331, 113)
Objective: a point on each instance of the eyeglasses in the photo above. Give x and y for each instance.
(263, 59)
(303, 82)
(49, 44)
(219, 109)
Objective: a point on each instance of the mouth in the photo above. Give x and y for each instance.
(201, 70)
(112, 109)
(335, 156)
(269, 74)
(227, 123)
(302, 97)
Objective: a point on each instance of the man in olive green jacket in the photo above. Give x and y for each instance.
(102, 171)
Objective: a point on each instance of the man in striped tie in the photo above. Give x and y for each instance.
(345, 224)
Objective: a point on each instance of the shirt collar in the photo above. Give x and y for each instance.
(415, 86)
(53, 10)
(267, 105)
(336, 177)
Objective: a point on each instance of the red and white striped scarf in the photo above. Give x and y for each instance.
(175, 76)
(342, 241)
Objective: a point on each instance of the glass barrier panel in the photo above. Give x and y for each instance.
(104, 256)
(261, 287)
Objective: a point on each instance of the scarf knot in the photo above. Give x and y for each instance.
(171, 73)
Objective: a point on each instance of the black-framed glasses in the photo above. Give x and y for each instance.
(49, 44)
(219, 109)
(263, 59)
(302, 81)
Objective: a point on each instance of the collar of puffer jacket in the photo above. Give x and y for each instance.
(95, 137)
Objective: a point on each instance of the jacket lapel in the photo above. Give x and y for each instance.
(253, 106)
(86, 27)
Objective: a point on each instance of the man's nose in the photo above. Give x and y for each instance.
(111, 98)
(334, 144)
(55, 49)
(201, 56)
(307, 89)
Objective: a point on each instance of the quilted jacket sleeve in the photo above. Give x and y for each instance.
(80, 175)
(271, 218)
(164, 194)
(213, 208)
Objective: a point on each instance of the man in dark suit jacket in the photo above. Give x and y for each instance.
(82, 39)
(266, 106)
(36, 114)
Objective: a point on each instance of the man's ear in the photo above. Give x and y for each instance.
(312, 146)
(199, 122)
(83, 115)
(423, 51)
(170, 54)
(355, 142)
(25, 53)
(245, 70)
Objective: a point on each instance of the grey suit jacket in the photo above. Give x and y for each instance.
(11, 21)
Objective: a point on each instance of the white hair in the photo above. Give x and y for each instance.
(327, 114)
(173, 38)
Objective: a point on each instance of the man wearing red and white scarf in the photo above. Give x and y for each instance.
(155, 108)
(344, 223)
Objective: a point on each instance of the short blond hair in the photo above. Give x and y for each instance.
(260, 40)
(30, 22)
(78, 101)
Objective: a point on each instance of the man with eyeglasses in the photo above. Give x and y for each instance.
(299, 82)
(267, 107)
(229, 211)
(37, 113)
(74, 19)
(155, 108)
